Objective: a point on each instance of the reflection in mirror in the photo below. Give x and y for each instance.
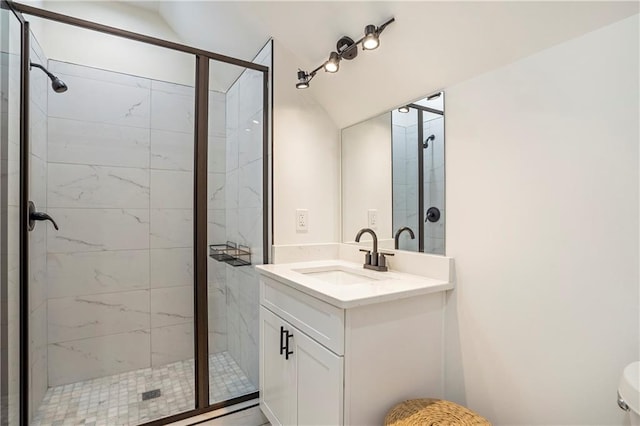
(393, 177)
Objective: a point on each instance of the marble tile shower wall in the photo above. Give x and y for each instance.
(120, 173)
(434, 238)
(244, 212)
(39, 86)
(405, 183)
(216, 230)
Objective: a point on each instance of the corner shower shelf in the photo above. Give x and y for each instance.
(234, 255)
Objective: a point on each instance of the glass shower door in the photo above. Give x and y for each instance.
(236, 231)
(10, 58)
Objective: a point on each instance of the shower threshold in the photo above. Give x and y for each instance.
(118, 400)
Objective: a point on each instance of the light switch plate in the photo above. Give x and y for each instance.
(372, 215)
(302, 220)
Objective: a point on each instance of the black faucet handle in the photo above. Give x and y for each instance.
(367, 256)
(382, 261)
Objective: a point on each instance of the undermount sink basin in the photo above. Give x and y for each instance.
(338, 275)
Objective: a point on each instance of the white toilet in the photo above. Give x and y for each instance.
(629, 392)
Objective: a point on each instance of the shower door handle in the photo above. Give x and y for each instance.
(35, 215)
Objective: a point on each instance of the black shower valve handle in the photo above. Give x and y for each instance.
(38, 216)
(433, 215)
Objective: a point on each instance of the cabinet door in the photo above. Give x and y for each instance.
(319, 376)
(277, 375)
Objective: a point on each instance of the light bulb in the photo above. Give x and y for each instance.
(370, 40)
(333, 64)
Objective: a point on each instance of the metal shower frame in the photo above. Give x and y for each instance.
(202, 60)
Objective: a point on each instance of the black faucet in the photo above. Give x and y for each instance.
(373, 259)
(396, 239)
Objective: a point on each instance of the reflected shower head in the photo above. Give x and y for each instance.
(425, 144)
(57, 85)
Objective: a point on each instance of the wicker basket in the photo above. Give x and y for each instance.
(434, 412)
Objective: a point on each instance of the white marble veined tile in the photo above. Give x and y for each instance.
(171, 189)
(39, 84)
(217, 318)
(250, 227)
(71, 362)
(102, 102)
(171, 150)
(171, 228)
(67, 68)
(217, 113)
(232, 183)
(38, 266)
(171, 306)
(250, 185)
(216, 275)
(171, 111)
(250, 146)
(38, 182)
(81, 317)
(98, 229)
(216, 191)
(231, 150)
(232, 108)
(171, 343)
(82, 273)
(217, 341)
(171, 267)
(217, 154)
(38, 335)
(38, 386)
(216, 226)
(82, 142)
(75, 185)
(38, 132)
(231, 224)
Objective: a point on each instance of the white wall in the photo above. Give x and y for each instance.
(306, 159)
(71, 44)
(542, 211)
(366, 177)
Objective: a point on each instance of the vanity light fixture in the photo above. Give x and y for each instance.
(371, 40)
(346, 48)
(333, 63)
(403, 109)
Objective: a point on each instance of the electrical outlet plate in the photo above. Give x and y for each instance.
(302, 220)
(372, 218)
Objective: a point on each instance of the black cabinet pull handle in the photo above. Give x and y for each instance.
(282, 344)
(288, 352)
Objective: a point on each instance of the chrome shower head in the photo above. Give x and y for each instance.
(57, 85)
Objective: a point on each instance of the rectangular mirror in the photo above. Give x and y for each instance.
(393, 177)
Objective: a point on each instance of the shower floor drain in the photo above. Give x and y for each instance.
(150, 394)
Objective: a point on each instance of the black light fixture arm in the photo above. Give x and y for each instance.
(346, 49)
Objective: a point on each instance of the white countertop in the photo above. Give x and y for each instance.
(385, 286)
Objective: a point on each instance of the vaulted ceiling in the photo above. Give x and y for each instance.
(431, 46)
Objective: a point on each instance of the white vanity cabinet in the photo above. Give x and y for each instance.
(322, 364)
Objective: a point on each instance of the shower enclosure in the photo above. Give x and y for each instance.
(141, 304)
(418, 174)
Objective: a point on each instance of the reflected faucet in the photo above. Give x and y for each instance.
(373, 259)
(396, 239)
